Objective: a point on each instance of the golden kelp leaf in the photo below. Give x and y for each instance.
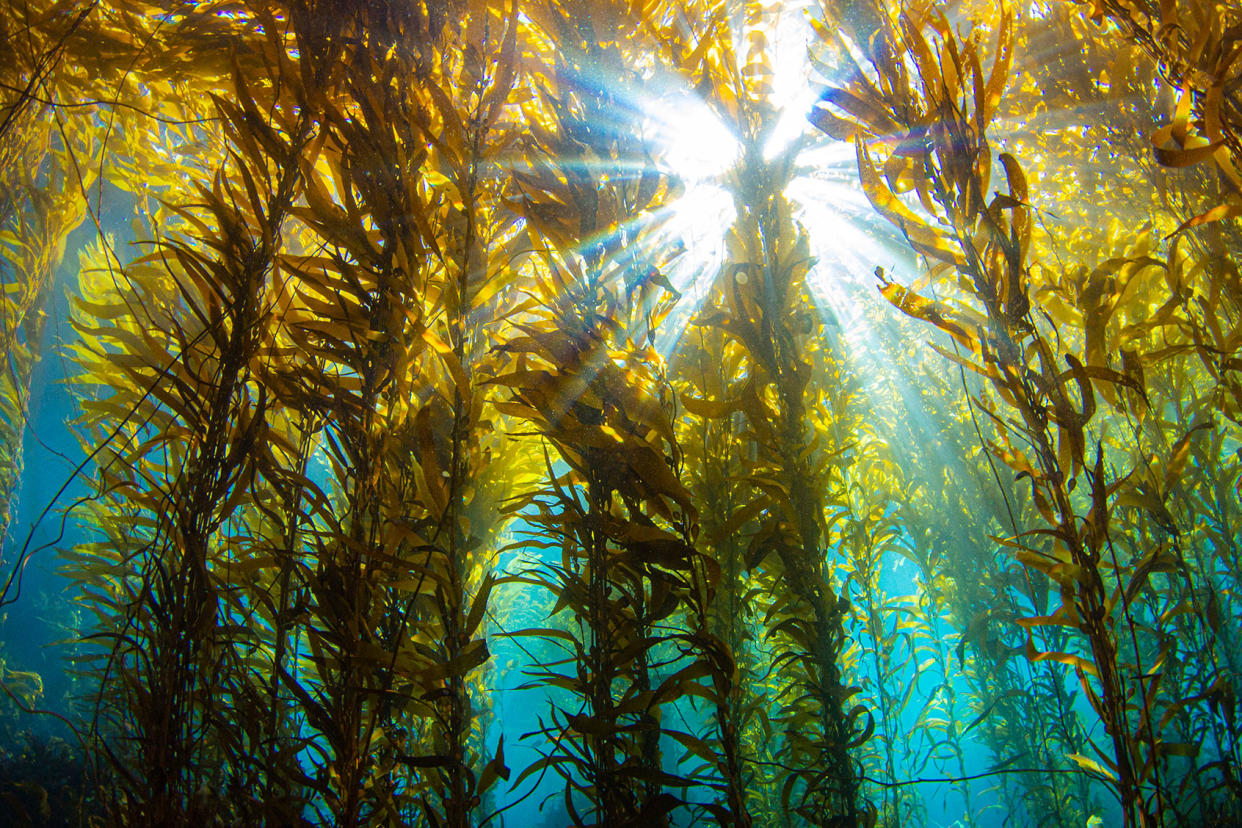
(432, 474)
(500, 88)
(940, 315)
(1179, 454)
(1220, 212)
(711, 409)
(925, 238)
(1077, 662)
(1092, 765)
(1000, 67)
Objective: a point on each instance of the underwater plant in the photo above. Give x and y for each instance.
(482, 412)
(988, 243)
(587, 380)
(40, 205)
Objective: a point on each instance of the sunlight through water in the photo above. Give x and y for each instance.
(699, 151)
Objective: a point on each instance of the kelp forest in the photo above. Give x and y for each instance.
(621, 413)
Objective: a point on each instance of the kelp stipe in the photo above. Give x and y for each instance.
(40, 206)
(992, 261)
(966, 587)
(759, 304)
(705, 366)
(867, 538)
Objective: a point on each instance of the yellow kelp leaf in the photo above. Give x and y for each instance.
(1220, 212)
(940, 315)
(1000, 67)
(711, 409)
(1059, 618)
(1091, 765)
(450, 360)
(924, 238)
(1188, 155)
(23, 685)
(1077, 662)
(1179, 454)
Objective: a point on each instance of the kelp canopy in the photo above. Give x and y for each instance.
(605, 413)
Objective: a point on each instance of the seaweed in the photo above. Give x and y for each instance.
(429, 346)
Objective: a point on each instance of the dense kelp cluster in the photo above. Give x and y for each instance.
(415, 386)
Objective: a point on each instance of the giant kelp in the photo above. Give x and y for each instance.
(987, 242)
(414, 332)
(589, 381)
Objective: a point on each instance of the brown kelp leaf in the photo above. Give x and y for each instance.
(1179, 454)
(495, 769)
(428, 461)
(711, 409)
(479, 605)
(471, 656)
(1186, 156)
